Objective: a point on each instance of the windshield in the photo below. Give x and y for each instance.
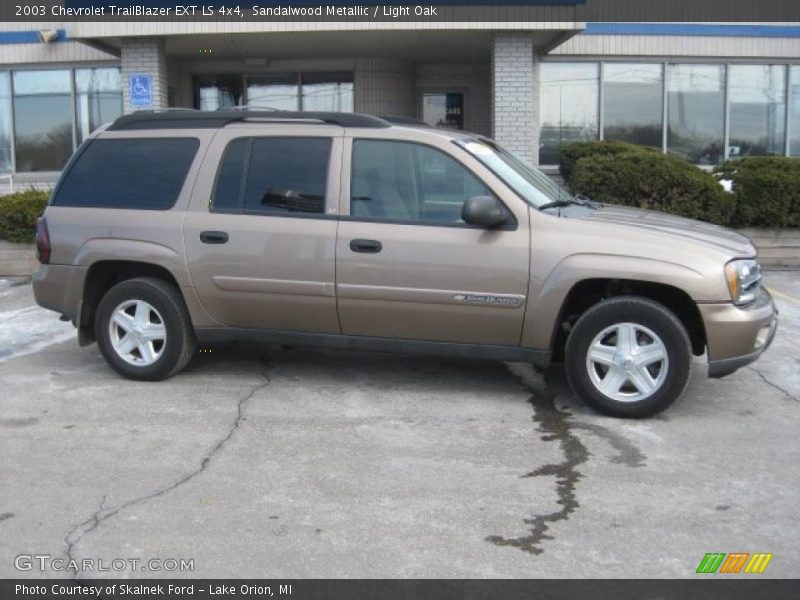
(528, 182)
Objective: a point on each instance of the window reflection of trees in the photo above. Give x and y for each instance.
(696, 106)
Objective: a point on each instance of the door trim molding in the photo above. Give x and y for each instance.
(273, 286)
(429, 296)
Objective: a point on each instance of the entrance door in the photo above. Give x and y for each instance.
(443, 109)
(408, 267)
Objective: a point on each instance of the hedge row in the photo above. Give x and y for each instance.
(18, 214)
(766, 189)
(572, 153)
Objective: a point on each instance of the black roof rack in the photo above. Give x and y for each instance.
(193, 119)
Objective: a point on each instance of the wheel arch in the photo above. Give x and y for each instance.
(581, 280)
(588, 292)
(104, 274)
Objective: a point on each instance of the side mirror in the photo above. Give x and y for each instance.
(485, 211)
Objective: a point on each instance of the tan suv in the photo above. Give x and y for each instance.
(349, 231)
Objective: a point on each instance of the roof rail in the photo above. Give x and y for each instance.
(165, 109)
(409, 121)
(192, 119)
(246, 107)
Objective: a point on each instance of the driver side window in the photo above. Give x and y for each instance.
(404, 181)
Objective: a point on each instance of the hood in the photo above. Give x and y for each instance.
(679, 227)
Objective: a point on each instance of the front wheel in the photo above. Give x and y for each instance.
(628, 356)
(143, 329)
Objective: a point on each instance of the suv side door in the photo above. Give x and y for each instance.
(407, 266)
(261, 229)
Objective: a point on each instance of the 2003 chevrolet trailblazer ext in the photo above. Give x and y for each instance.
(350, 231)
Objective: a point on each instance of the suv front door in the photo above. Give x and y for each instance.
(260, 233)
(407, 266)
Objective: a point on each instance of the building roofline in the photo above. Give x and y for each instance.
(694, 29)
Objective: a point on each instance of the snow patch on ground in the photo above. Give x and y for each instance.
(28, 330)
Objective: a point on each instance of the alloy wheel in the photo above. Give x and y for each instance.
(627, 362)
(137, 332)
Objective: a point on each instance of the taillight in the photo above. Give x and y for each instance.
(42, 241)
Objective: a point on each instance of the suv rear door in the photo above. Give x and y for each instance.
(407, 266)
(260, 233)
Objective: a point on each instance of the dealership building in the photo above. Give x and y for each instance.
(704, 92)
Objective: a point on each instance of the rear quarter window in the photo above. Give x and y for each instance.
(140, 173)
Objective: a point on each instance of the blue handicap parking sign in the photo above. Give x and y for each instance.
(141, 89)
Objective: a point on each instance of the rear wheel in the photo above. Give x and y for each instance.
(143, 329)
(628, 357)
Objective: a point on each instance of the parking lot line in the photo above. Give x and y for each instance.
(783, 296)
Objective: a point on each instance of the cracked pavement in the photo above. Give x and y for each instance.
(306, 463)
(98, 518)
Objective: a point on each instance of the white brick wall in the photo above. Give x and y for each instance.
(144, 55)
(384, 87)
(514, 95)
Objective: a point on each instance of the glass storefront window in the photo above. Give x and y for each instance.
(633, 103)
(42, 119)
(696, 112)
(218, 91)
(6, 158)
(328, 92)
(289, 91)
(569, 106)
(98, 99)
(794, 111)
(757, 110)
(280, 92)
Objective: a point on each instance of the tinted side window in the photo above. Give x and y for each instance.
(404, 181)
(144, 173)
(274, 175)
(228, 189)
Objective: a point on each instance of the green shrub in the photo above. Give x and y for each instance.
(767, 190)
(18, 214)
(572, 153)
(653, 181)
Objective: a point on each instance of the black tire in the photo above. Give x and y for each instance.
(638, 311)
(179, 345)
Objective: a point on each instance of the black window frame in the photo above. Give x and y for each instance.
(240, 209)
(511, 225)
(87, 143)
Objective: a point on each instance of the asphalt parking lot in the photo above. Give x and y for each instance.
(303, 463)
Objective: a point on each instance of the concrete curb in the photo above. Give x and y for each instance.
(777, 248)
(17, 260)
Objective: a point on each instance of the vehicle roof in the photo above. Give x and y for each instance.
(195, 119)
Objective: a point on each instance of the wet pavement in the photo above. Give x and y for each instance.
(307, 463)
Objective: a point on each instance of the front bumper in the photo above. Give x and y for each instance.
(738, 335)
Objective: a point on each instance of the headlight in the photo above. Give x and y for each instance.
(743, 277)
